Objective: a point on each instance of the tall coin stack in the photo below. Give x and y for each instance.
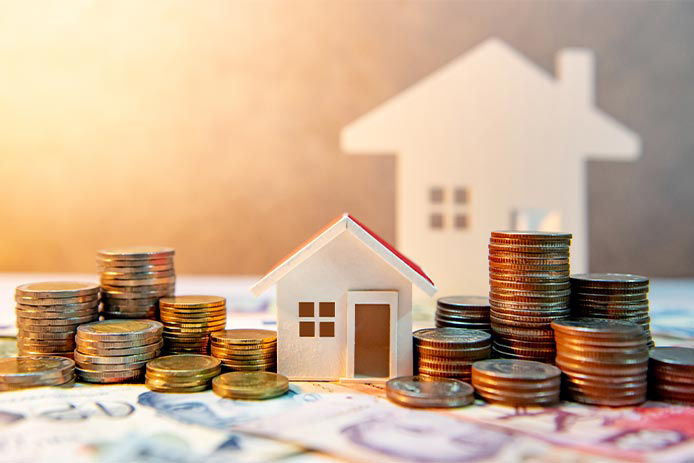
(518, 383)
(671, 374)
(134, 279)
(245, 349)
(48, 315)
(529, 288)
(463, 312)
(449, 352)
(189, 320)
(605, 362)
(113, 351)
(611, 295)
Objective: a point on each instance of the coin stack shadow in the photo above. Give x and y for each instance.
(49, 313)
(611, 295)
(529, 287)
(24, 372)
(519, 383)
(189, 320)
(449, 352)
(181, 373)
(604, 362)
(463, 312)
(245, 349)
(134, 279)
(113, 351)
(671, 375)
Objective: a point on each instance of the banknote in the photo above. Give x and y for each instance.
(654, 432)
(110, 424)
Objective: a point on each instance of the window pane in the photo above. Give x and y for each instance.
(327, 329)
(436, 220)
(460, 195)
(460, 221)
(326, 309)
(306, 309)
(307, 329)
(436, 194)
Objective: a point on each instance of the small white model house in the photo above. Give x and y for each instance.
(491, 141)
(344, 303)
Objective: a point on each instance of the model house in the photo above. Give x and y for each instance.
(491, 141)
(345, 306)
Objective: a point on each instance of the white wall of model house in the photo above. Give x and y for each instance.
(343, 264)
(491, 141)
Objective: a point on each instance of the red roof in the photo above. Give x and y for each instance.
(392, 249)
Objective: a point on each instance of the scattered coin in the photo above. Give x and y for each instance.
(426, 392)
(24, 372)
(250, 385)
(516, 382)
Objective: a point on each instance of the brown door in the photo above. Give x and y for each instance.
(371, 340)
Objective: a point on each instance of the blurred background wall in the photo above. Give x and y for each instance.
(212, 126)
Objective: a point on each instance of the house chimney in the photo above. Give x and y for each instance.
(576, 73)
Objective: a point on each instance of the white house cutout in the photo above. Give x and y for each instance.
(344, 302)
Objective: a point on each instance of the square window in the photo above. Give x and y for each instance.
(436, 195)
(436, 221)
(461, 196)
(460, 221)
(327, 329)
(306, 309)
(307, 329)
(326, 309)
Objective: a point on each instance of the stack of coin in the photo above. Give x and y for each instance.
(518, 383)
(245, 349)
(449, 352)
(181, 373)
(671, 374)
(463, 312)
(23, 372)
(134, 279)
(425, 392)
(189, 320)
(605, 362)
(113, 351)
(48, 315)
(611, 295)
(250, 385)
(529, 287)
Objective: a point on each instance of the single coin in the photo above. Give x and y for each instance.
(56, 289)
(463, 302)
(113, 376)
(531, 234)
(57, 321)
(681, 357)
(91, 299)
(101, 359)
(515, 369)
(597, 327)
(609, 279)
(161, 387)
(122, 351)
(422, 392)
(451, 337)
(28, 368)
(136, 252)
(244, 336)
(250, 385)
(183, 365)
(120, 330)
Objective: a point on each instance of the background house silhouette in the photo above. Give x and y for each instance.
(491, 141)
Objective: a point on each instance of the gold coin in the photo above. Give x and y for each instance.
(120, 330)
(122, 351)
(139, 366)
(183, 365)
(113, 376)
(27, 325)
(250, 385)
(173, 330)
(56, 289)
(58, 321)
(161, 388)
(27, 368)
(136, 252)
(192, 301)
(192, 323)
(192, 317)
(115, 359)
(91, 299)
(91, 344)
(244, 336)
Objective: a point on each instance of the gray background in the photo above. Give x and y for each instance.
(213, 126)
